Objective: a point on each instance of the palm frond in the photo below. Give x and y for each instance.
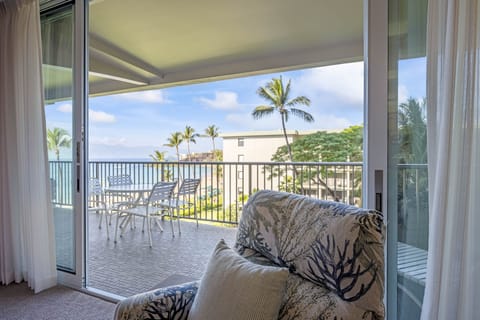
(212, 131)
(302, 114)
(301, 100)
(175, 139)
(262, 111)
(267, 94)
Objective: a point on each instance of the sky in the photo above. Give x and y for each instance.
(133, 125)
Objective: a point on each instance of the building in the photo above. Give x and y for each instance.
(256, 146)
(250, 151)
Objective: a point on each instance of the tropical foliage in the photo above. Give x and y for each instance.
(412, 125)
(174, 141)
(278, 98)
(58, 138)
(158, 156)
(189, 135)
(343, 146)
(212, 132)
(412, 172)
(322, 146)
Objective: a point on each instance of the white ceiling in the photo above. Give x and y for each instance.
(157, 43)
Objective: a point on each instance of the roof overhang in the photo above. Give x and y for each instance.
(139, 45)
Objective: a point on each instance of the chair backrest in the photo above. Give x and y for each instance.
(188, 186)
(333, 251)
(120, 180)
(162, 191)
(94, 187)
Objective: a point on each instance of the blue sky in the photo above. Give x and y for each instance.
(133, 125)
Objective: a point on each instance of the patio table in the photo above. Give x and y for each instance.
(136, 190)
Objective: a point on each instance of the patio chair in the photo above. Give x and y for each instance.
(185, 198)
(97, 203)
(158, 204)
(126, 199)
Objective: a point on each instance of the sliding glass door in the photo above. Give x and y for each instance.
(407, 156)
(57, 43)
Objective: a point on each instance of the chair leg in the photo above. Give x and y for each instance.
(158, 224)
(170, 211)
(106, 213)
(116, 228)
(149, 231)
(100, 223)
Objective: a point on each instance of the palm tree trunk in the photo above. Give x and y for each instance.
(286, 138)
(188, 149)
(213, 142)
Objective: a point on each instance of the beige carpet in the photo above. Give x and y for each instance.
(17, 301)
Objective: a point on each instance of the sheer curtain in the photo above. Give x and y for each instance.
(27, 248)
(453, 73)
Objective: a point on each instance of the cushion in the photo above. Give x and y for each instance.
(235, 288)
(328, 244)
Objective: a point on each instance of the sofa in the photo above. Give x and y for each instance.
(334, 254)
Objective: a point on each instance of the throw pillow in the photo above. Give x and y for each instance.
(236, 289)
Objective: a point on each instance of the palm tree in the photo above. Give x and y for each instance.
(212, 132)
(278, 97)
(158, 156)
(189, 135)
(58, 138)
(175, 140)
(412, 123)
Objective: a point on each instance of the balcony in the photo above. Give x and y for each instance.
(131, 266)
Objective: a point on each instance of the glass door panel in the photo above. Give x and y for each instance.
(407, 154)
(57, 43)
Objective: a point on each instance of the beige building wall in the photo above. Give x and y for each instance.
(243, 148)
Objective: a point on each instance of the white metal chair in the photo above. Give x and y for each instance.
(121, 200)
(97, 203)
(185, 198)
(158, 204)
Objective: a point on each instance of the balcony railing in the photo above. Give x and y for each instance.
(226, 186)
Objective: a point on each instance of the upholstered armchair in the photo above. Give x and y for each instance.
(333, 253)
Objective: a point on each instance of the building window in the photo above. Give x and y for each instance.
(241, 158)
(241, 142)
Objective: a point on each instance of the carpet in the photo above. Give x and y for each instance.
(17, 301)
(173, 280)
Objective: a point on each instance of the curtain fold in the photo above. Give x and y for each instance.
(27, 248)
(453, 87)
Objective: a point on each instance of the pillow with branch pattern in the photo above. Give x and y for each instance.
(332, 245)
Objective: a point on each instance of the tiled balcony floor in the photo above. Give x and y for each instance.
(130, 266)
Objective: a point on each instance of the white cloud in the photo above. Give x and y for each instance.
(154, 96)
(94, 116)
(344, 81)
(101, 116)
(66, 108)
(225, 100)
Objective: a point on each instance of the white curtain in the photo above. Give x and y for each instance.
(453, 89)
(27, 248)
